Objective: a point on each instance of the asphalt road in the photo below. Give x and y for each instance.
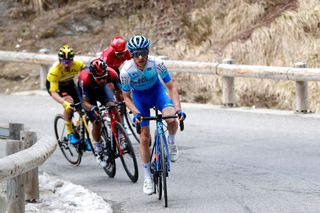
(233, 160)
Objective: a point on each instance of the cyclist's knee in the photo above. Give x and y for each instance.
(171, 121)
(68, 98)
(145, 141)
(144, 136)
(110, 103)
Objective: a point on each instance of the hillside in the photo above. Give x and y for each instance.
(265, 32)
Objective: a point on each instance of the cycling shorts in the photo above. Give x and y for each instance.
(157, 96)
(66, 88)
(103, 95)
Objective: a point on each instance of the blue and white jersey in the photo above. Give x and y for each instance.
(133, 79)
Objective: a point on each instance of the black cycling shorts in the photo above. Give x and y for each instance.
(66, 88)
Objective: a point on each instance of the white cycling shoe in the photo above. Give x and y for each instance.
(174, 153)
(98, 150)
(148, 186)
(101, 162)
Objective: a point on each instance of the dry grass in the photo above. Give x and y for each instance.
(290, 37)
(264, 32)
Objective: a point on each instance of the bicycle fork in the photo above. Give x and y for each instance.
(158, 145)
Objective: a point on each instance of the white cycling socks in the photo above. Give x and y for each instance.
(147, 171)
(171, 139)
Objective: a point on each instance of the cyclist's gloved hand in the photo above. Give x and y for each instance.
(137, 118)
(95, 110)
(181, 115)
(67, 106)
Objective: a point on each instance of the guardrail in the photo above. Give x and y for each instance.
(227, 70)
(20, 167)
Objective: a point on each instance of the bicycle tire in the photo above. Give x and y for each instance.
(108, 154)
(164, 170)
(69, 151)
(129, 123)
(159, 185)
(128, 155)
(157, 177)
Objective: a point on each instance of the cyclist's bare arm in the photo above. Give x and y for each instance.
(174, 95)
(129, 102)
(57, 97)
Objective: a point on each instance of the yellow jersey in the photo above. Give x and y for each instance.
(58, 74)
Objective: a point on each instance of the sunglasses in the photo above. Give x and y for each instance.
(104, 77)
(120, 53)
(66, 62)
(137, 53)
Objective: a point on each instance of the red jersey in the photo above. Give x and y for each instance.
(87, 81)
(112, 61)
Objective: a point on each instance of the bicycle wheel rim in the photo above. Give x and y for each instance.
(164, 171)
(110, 168)
(128, 157)
(69, 151)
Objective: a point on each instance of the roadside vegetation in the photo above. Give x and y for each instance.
(257, 32)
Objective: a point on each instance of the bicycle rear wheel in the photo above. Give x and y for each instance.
(69, 151)
(108, 155)
(164, 170)
(128, 157)
(128, 122)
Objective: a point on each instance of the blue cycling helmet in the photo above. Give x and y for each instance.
(138, 42)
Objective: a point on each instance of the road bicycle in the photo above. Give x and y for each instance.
(73, 152)
(118, 143)
(160, 158)
(111, 148)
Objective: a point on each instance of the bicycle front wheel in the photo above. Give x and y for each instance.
(69, 151)
(108, 155)
(164, 171)
(128, 157)
(129, 123)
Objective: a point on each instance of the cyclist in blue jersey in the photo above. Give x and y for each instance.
(142, 90)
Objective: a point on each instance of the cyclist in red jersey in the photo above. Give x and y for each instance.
(93, 86)
(116, 53)
(114, 56)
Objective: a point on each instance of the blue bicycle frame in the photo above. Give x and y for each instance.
(160, 133)
(160, 161)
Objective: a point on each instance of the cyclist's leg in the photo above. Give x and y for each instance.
(141, 102)
(69, 93)
(96, 124)
(96, 128)
(64, 91)
(164, 103)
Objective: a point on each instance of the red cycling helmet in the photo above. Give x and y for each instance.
(118, 44)
(98, 68)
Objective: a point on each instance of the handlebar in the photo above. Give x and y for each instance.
(77, 106)
(159, 117)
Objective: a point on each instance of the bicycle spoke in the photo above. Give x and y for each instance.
(69, 151)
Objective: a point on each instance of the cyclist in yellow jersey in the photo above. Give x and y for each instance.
(60, 85)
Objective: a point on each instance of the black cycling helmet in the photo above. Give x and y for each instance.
(98, 68)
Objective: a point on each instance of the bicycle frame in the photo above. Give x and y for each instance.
(83, 127)
(160, 133)
(113, 120)
(157, 146)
